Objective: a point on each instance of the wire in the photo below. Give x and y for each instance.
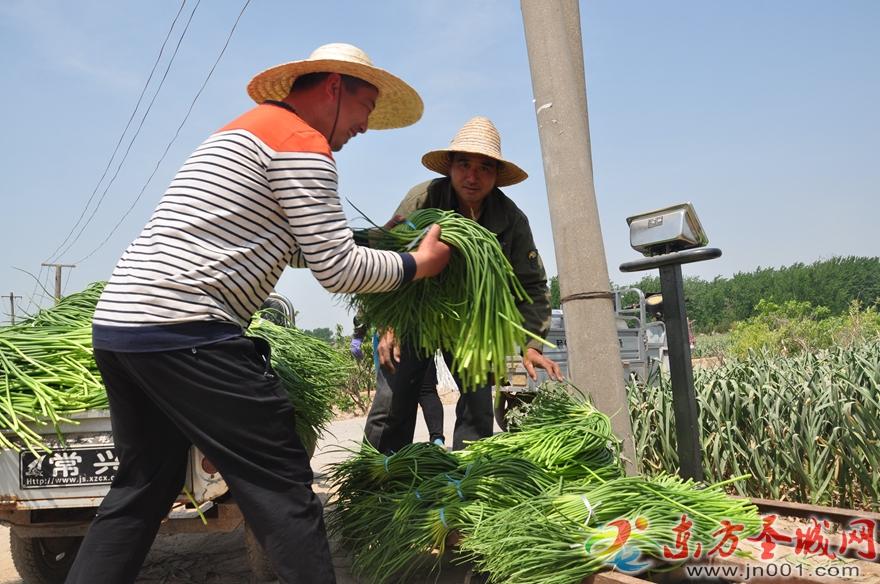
(37, 280)
(176, 134)
(26, 314)
(121, 136)
(138, 131)
(66, 281)
(45, 294)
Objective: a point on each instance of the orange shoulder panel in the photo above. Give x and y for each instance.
(280, 130)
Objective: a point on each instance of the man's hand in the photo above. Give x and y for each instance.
(533, 358)
(356, 348)
(432, 255)
(389, 351)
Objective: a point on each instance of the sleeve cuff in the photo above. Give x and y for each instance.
(536, 345)
(409, 268)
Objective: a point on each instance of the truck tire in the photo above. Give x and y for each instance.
(501, 407)
(261, 570)
(43, 560)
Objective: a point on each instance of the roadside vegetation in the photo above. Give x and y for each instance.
(790, 396)
(806, 426)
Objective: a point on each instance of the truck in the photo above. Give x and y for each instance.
(641, 337)
(48, 498)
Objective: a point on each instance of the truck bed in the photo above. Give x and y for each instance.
(78, 471)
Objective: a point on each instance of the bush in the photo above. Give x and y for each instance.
(711, 345)
(357, 392)
(795, 327)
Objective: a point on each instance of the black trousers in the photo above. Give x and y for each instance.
(432, 407)
(224, 399)
(391, 422)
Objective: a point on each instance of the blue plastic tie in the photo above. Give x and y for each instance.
(443, 518)
(418, 239)
(457, 484)
(386, 463)
(410, 224)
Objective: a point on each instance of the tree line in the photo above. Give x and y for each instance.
(715, 305)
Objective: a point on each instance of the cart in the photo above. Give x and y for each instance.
(49, 498)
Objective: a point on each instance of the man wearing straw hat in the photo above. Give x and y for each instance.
(474, 171)
(168, 331)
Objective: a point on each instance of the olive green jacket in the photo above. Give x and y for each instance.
(502, 217)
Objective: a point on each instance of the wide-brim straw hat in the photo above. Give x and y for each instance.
(477, 136)
(398, 104)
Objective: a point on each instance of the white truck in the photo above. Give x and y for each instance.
(49, 498)
(642, 344)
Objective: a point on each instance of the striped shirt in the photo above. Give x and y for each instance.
(258, 195)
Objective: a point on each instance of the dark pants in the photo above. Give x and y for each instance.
(392, 420)
(432, 407)
(224, 399)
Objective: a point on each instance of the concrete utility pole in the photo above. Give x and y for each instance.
(553, 38)
(58, 268)
(12, 298)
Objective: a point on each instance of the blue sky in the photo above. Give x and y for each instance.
(763, 114)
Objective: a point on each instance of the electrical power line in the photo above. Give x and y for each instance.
(37, 283)
(173, 139)
(33, 293)
(43, 283)
(66, 282)
(44, 289)
(121, 136)
(137, 132)
(23, 311)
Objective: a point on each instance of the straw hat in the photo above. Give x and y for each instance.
(398, 104)
(478, 136)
